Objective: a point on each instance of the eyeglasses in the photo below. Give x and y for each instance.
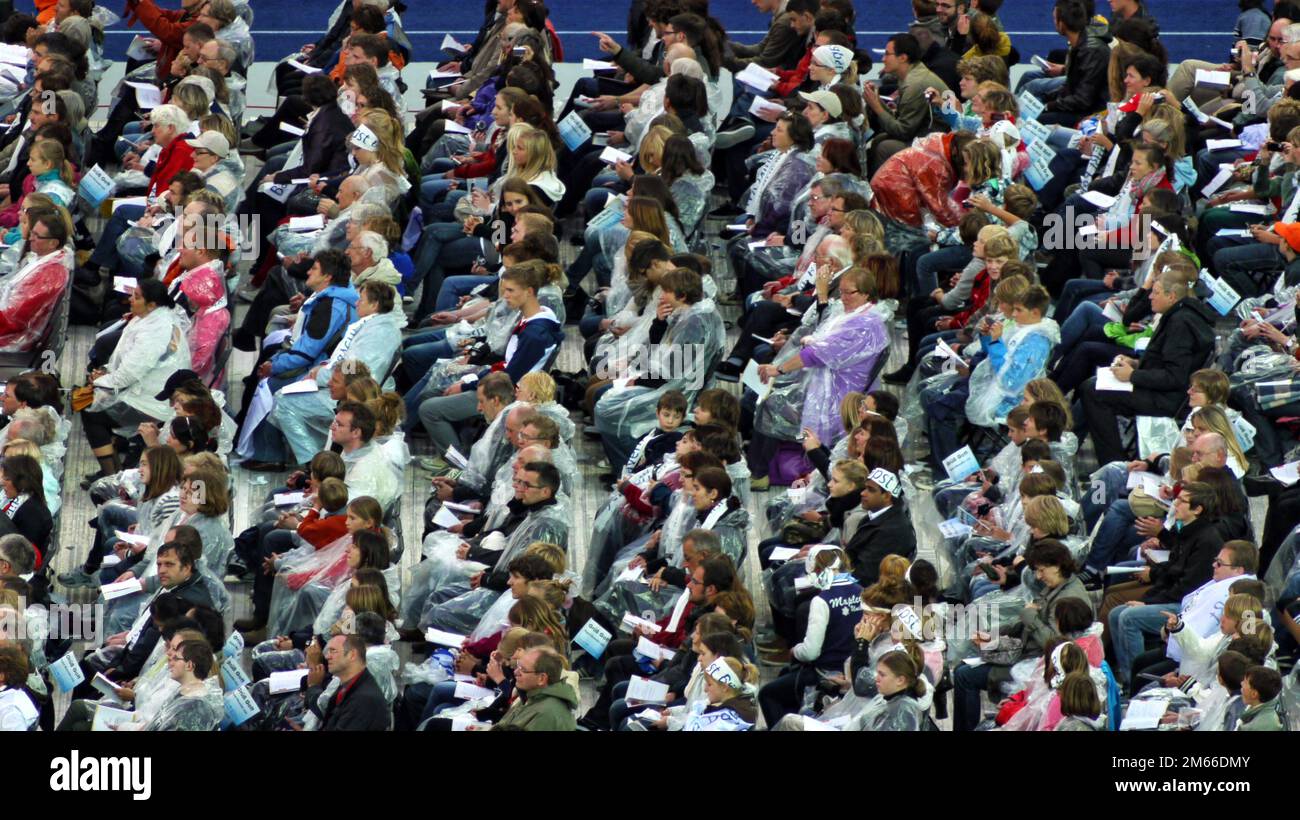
(519, 670)
(694, 582)
(1219, 564)
(847, 292)
(519, 482)
(35, 235)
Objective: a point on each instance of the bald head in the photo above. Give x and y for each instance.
(1210, 450)
(836, 249)
(351, 189)
(533, 452)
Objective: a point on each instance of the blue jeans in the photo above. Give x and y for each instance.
(1085, 317)
(945, 417)
(454, 287)
(1129, 626)
(419, 352)
(1109, 484)
(944, 260)
(433, 189)
(1076, 292)
(967, 683)
(105, 255)
(442, 696)
(1116, 533)
(1039, 84)
(442, 245)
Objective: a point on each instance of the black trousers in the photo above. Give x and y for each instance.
(764, 320)
(1102, 409)
(620, 666)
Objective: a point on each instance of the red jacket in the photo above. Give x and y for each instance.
(321, 532)
(792, 78)
(979, 295)
(27, 309)
(481, 164)
(176, 157)
(168, 25)
(673, 639)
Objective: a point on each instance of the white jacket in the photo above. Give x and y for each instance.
(150, 351)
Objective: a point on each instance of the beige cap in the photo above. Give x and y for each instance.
(213, 141)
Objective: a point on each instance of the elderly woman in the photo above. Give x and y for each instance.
(831, 361)
(686, 338)
(153, 347)
(373, 339)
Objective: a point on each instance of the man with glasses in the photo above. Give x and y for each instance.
(357, 704)
(546, 701)
(887, 529)
(534, 514)
(30, 295)
(910, 115)
(1199, 611)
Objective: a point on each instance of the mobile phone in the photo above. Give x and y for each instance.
(1273, 146)
(1150, 676)
(518, 51)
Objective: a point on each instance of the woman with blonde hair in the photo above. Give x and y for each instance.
(1210, 419)
(1243, 617)
(864, 233)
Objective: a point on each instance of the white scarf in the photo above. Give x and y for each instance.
(764, 178)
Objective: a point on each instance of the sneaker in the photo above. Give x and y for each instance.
(1090, 579)
(246, 293)
(759, 485)
(77, 578)
(734, 136)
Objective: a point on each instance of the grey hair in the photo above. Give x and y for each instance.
(373, 242)
(1173, 285)
(687, 67)
(222, 10)
(1291, 33)
(226, 52)
(707, 540)
(35, 426)
(382, 5)
(838, 250)
(18, 552)
(170, 115)
(77, 29)
(362, 211)
(76, 108)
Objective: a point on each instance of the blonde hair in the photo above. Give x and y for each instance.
(747, 672)
(1047, 514)
(1216, 421)
(539, 385)
(51, 151)
(552, 554)
(1044, 389)
(192, 99)
(998, 243)
(222, 125)
(389, 411)
(23, 447)
(854, 472)
(1236, 607)
(652, 148)
(391, 145)
(539, 154)
(36, 199)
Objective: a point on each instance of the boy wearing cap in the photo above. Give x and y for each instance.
(887, 529)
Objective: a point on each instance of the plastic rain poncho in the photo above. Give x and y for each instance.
(995, 392)
(300, 568)
(693, 343)
(916, 181)
(189, 713)
(28, 298)
(337, 600)
(150, 350)
(204, 314)
(463, 612)
(838, 358)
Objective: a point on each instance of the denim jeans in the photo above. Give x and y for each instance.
(929, 266)
(105, 254)
(433, 189)
(1039, 84)
(1109, 484)
(1086, 316)
(1128, 627)
(1075, 293)
(454, 287)
(967, 683)
(442, 696)
(1116, 533)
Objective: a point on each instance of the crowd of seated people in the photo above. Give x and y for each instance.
(1075, 490)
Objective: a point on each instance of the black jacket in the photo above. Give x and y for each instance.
(1086, 90)
(1190, 564)
(362, 709)
(194, 592)
(325, 54)
(1183, 340)
(324, 146)
(890, 533)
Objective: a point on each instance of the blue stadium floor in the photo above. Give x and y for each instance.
(1190, 29)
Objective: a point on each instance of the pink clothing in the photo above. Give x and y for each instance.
(1091, 645)
(204, 292)
(28, 298)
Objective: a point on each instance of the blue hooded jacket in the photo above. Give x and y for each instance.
(326, 315)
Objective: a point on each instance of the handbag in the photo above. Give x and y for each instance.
(799, 531)
(82, 397)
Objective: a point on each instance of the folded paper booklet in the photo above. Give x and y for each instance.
(302, 224)
(120, 589)
(1106, 381)
(631, 622)
(289, 499)
(589, 64)
(757, 77)
(288, 681)
(133, 538)
(783, 553)
(444, 638)
(303, 386)
(644, 690)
